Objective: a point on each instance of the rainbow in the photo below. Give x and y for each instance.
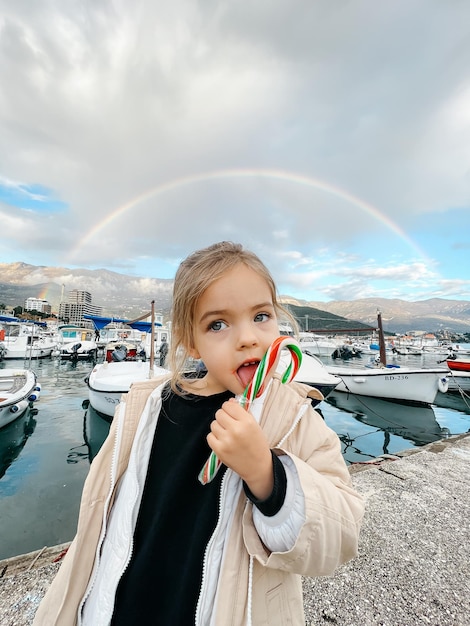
(43, 293)
(279, 175)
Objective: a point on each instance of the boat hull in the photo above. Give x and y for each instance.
(79, 351)
(317, 346)
(16, 388)
(18, 348)
(108, 381)
(21, 340)
(402, 384)
(459, 365)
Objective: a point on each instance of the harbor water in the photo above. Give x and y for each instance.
(46, 453)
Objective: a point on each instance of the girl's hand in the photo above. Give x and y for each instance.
(238, 441)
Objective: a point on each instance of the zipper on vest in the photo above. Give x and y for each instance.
(114, 459)
(299, 416)
(208, 550)
(229, 487)
(210, 546)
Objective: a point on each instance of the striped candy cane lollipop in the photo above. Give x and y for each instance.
(255, 388)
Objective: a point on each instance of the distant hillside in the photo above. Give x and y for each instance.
(313, 319)
(129, 296)
(400, 316)
(119, 294)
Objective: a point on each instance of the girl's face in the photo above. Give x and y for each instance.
(235, 323)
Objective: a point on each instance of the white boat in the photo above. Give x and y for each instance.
(24, 339)
(79, 351)
(116, 332)
(404, 384)
(379, 380)
(150, 335)
(407, 350)
(447, 349)
(346, 351)
(316, 345)
(18, 387)
(75, 344)
(108, 381)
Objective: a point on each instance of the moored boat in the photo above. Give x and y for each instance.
(79, 351)
(459, 365)
(18, 387)
(403, 384)
(108, 381)
(123, 351)
(21, 339)
(76, 344)
(316, 345)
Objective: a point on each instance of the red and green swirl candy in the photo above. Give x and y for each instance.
(256, 387)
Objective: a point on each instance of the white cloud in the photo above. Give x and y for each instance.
(107, 101)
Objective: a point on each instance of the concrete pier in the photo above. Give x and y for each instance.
(413, 566)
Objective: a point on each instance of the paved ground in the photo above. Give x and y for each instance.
(413, 567)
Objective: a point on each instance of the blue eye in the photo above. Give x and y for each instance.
(217, 325)
(262, 317)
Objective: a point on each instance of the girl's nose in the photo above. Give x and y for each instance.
(247, 337)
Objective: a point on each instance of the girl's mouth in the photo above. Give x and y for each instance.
(246, 372)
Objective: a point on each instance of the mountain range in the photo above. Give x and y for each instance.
(127, 296)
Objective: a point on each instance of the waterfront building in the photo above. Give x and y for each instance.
(36, 304)
(78, 304)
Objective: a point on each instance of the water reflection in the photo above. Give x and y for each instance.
(14, 436)
(455, 401)
(417, 424)
(95, 431)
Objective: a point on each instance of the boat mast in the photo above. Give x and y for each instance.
(383, 358)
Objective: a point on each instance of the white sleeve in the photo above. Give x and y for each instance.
(279, 532)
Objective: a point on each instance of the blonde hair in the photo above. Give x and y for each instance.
(195, 274)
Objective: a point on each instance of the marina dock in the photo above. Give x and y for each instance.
(413, 566)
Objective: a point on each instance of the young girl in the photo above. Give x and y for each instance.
(154, 545)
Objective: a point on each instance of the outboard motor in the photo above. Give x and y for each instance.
(75, 348)
(119, 353)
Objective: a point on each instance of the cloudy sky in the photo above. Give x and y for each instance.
(331, 137)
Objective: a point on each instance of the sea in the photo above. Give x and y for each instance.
(46, 453)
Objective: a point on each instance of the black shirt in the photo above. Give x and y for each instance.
(176, 519)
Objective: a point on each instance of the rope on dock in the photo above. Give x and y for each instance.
(31, 565)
